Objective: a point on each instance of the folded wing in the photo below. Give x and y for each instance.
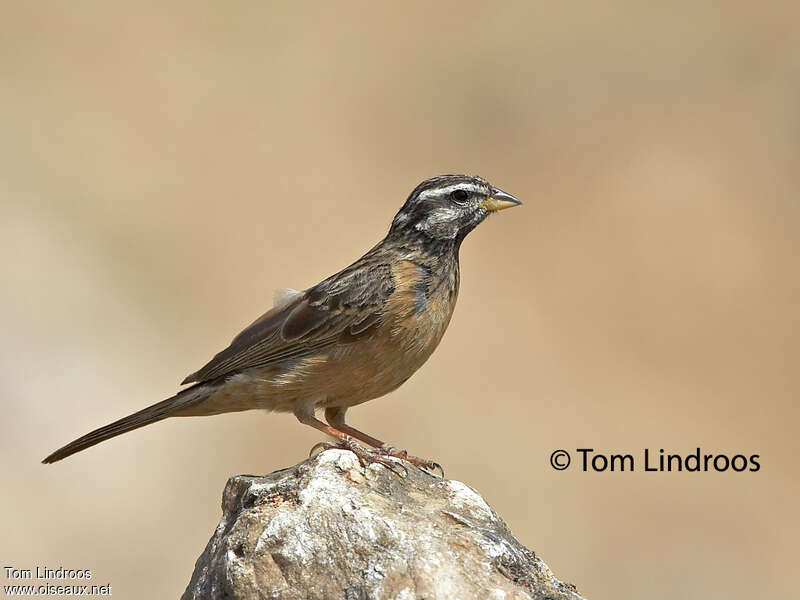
(341, 309)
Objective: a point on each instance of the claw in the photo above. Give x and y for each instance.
(434, 466)
(365, 457)
(321, 446)
(403, 455)
(380, 456)
(393, 466)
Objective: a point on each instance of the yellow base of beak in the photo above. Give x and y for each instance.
(499, 200)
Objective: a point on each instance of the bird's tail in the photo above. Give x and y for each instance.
(151, 414)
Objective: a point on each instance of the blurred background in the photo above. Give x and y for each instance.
(164, 169)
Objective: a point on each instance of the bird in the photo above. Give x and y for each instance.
(355, 336)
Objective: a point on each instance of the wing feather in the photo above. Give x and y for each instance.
(342, 308)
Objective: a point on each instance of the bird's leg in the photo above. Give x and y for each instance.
(335, 417)
(306, 416)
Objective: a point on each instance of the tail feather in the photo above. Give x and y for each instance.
(151, 414)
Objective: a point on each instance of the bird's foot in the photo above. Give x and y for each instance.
(365, 457)
(422, 463)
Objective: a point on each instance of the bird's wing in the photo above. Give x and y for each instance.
(341, 309)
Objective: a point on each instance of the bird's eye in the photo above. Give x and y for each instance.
(459, 196)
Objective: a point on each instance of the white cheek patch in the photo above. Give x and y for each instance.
(442, 214)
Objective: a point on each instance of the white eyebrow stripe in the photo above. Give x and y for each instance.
(440, 191)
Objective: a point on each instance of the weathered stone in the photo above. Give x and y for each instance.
(329, 528)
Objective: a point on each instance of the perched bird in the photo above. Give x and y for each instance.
(355, 336)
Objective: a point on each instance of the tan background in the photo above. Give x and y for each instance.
(163, 170)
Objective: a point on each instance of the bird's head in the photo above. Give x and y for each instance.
(448, 207)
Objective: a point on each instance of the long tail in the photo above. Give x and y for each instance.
(151, 414)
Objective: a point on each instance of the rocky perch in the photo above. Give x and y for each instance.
(329, 528)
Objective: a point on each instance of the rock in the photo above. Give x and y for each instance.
(329, 528)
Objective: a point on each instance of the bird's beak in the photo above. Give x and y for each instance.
(499, 200)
